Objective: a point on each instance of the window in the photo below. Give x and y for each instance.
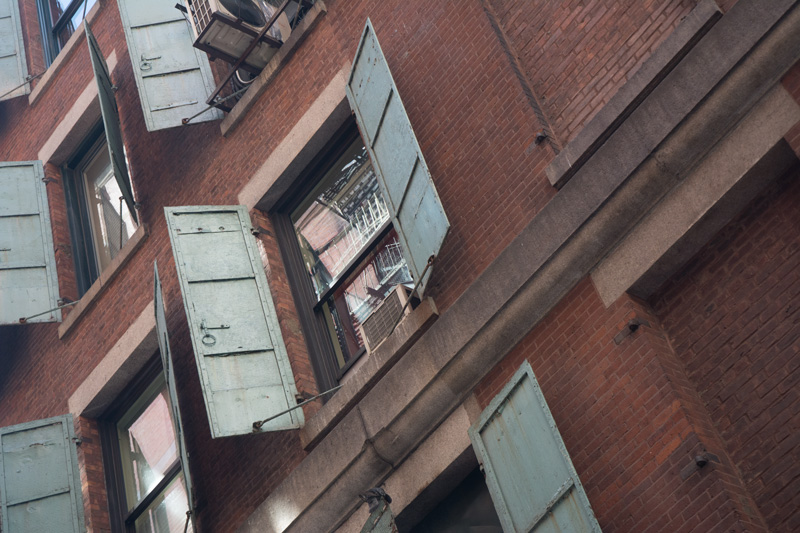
(341, 230)
(142, 460)
(100, 220)
(58, 20)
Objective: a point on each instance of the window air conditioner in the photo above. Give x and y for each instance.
(378, 325)
(225, 28)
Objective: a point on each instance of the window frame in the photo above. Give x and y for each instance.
(122, 520)
(50, 43)
(88, 265)
(318, 340)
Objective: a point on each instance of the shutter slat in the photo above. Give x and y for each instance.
(13, 66)
(240, 354)
(403, 175)
(39, 480)
(28, 283)
(530, 476)
(108, 108)
(174, 78)
(169, 376)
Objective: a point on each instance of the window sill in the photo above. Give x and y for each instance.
(61, 59)
(367, 371)
(272, 69)
(97, 288)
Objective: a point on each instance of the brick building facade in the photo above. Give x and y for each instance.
(621, 181)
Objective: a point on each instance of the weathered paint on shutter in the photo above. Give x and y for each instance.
(174, 78)
(381, 520)
(528, 470)
(108, 107)
(13, 67)
(404, 177)
(240, 354)
(28, 284)
(40, 488)
(169, 377)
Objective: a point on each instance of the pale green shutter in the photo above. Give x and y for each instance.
(13, 68)
(404, 177)
(108, 107)
(528, 470)
(240, 354)
(28, 284)
(40, 488)
(173, 77)
(169, 377)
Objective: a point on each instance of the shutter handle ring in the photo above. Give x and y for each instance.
(209, 339)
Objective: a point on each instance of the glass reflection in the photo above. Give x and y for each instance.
(339, 217)
(111, 220)
(167, 513)
(147, 443)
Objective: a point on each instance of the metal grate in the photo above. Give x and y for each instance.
(201, 13)
(379, 324)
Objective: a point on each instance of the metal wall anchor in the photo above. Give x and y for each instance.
(209, 339)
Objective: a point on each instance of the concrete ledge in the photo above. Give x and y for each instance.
(691, 203)
(375, 366)
(641, 84)
(122, 362)
(272, 69)
(106, 276)
(63, 56)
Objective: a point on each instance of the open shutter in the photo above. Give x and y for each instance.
(108, 107)
(173, 77)
(169, 376)
(405, 180)
(28, 284)
(240, 354)
(13, 67)
(528, 470)
(40, 488)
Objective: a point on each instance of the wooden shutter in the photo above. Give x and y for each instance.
(28, 284)
(240, 354)
(13, 67)
(169, 377)
(528, 470)
(40, 488)
(405, 180)
(173, 77)
(108, 107)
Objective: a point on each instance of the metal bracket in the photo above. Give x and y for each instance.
(630, 328)
(49, 180)
(697, 463)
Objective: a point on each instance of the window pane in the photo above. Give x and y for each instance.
(147, 442)
(167, 513)
(66, 30)
(111, 220)
(356, 299)
(339, 217)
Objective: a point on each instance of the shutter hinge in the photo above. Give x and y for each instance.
(78, 441)
(258, 230)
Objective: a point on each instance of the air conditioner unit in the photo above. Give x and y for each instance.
(379, 324)
(225, 28)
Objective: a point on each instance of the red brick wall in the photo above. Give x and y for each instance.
(577, 54)
(628, 421)
(734, 320)
(475, 127)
